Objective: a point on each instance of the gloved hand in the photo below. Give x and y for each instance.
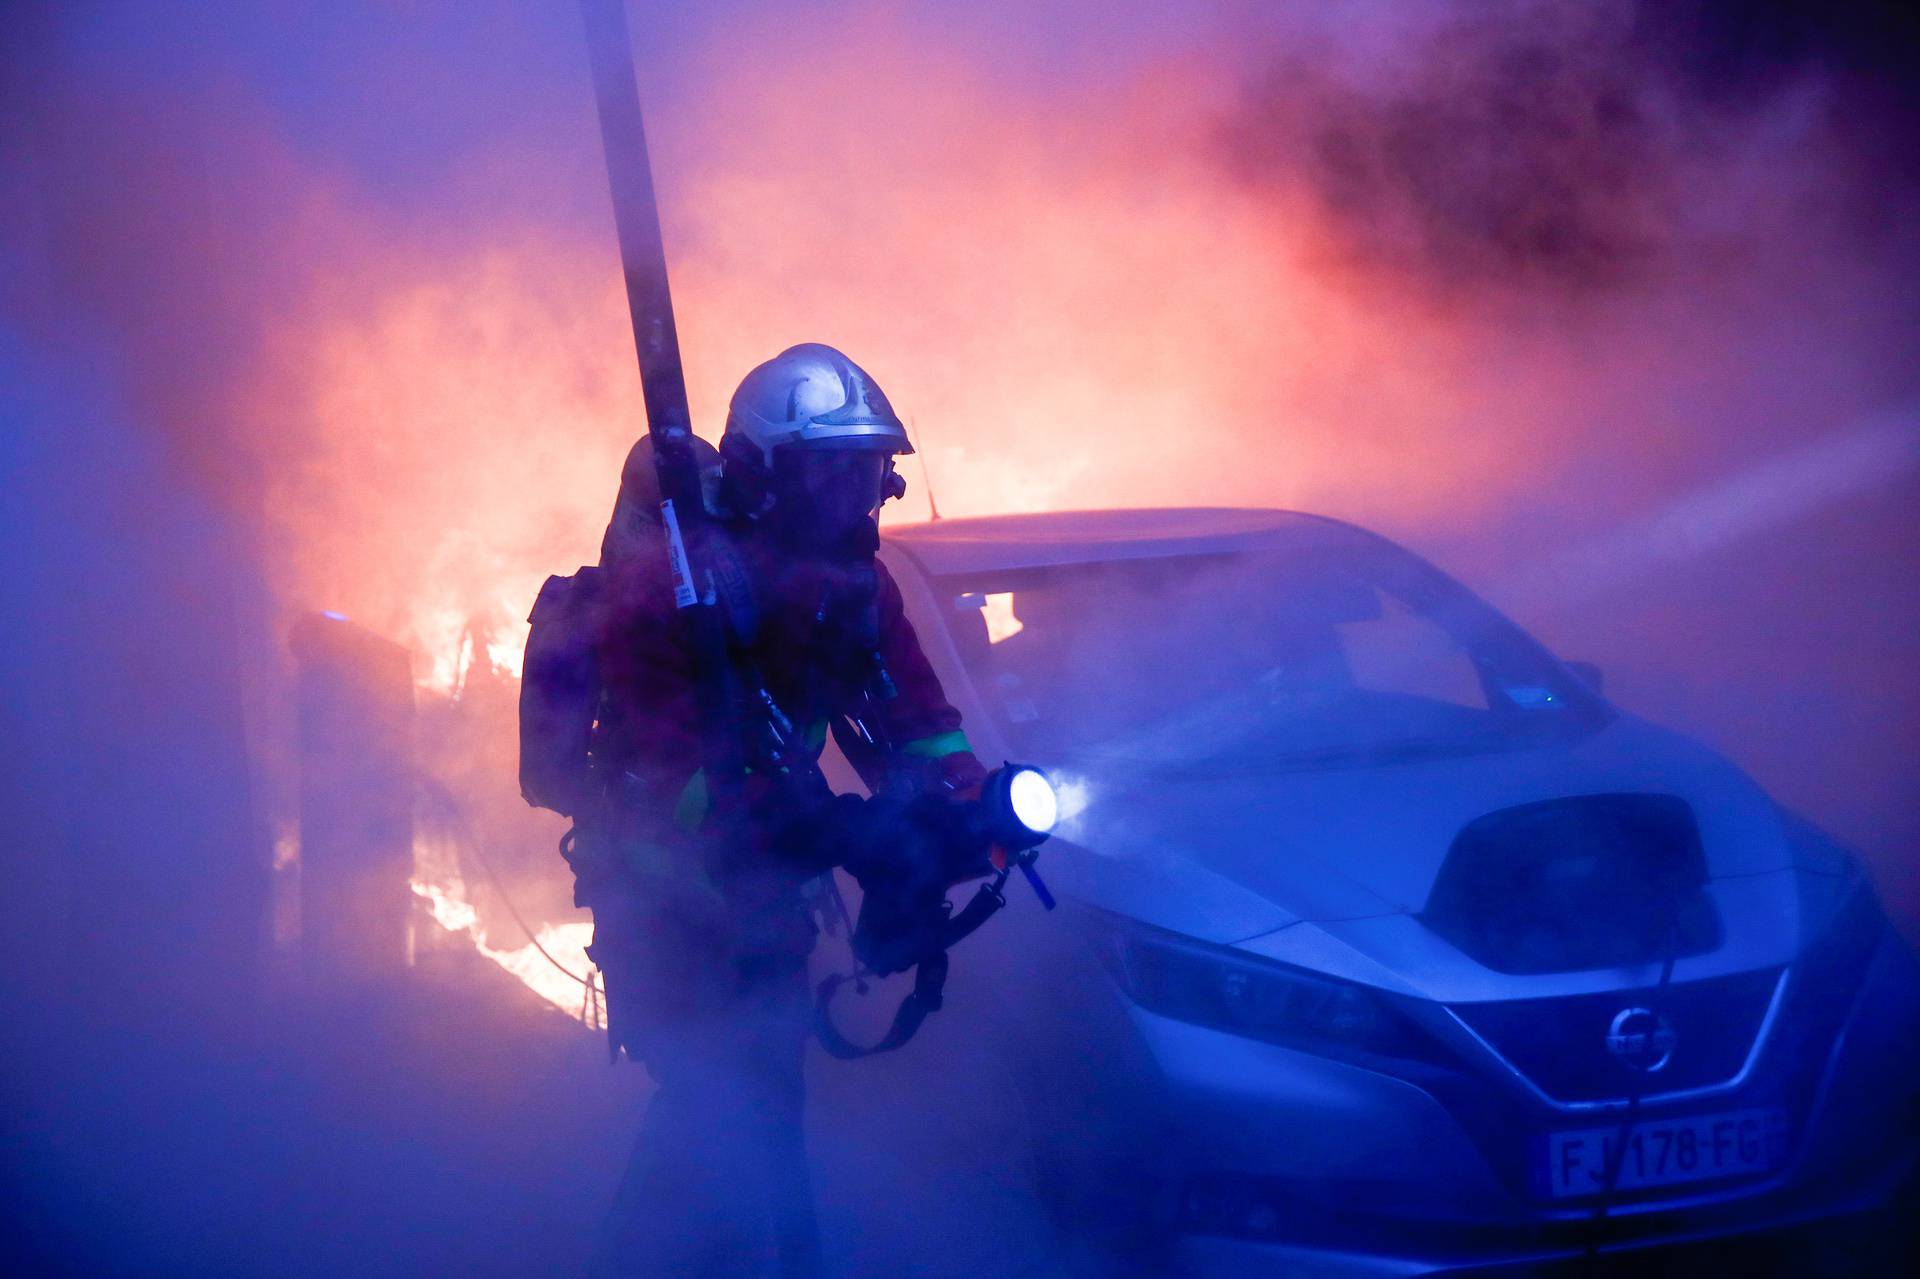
(905, 853)
(925, 842)
(910, 841)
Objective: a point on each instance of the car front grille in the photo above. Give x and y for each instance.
(1560, 1045)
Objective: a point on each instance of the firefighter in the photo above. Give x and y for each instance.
(702, 918)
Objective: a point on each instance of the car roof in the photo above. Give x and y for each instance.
(989, 542)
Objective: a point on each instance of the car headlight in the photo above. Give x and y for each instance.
(1242, 994)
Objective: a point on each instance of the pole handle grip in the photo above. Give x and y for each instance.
(1038, 885)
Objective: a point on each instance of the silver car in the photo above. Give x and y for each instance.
(1387, 943)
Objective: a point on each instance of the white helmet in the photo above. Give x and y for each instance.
(814, 396)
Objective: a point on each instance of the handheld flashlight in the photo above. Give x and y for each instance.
(1020, 808)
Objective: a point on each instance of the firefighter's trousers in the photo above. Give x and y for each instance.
(718, 1184)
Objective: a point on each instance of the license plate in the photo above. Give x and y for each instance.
(1665, 1152)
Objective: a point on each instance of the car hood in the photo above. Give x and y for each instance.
(1229, 859)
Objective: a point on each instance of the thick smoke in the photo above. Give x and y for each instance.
(1560, 149)
(1522, 151)
(1603, 306)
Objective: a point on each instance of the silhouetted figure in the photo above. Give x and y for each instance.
(702, 917)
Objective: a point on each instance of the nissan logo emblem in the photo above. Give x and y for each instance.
(1640, 1039)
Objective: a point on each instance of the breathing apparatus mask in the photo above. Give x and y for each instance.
(824, 503)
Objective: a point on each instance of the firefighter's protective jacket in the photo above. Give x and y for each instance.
(648, 734)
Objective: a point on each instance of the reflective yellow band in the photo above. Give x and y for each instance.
(938, 745)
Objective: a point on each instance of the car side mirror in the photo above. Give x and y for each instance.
(1587, 673)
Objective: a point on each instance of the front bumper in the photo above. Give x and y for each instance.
(1272, 1159)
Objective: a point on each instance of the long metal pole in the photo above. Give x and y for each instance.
(663, 382)
(636, 218)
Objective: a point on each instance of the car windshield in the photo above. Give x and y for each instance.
(1218, 663)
